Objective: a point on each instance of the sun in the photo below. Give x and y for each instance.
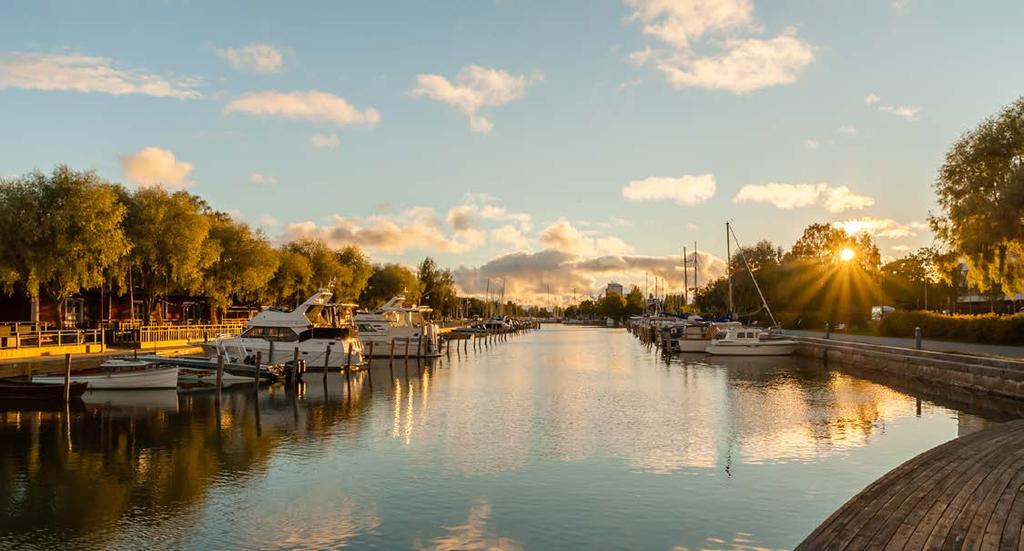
(847, 254)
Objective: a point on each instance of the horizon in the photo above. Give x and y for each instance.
(553, 145)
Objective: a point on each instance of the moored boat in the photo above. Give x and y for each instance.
(36, 391)
(120, 375)
(749, 341)
(398, 330)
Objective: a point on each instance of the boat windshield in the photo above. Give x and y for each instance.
(336, 333)
(278, 334)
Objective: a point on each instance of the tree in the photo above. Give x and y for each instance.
(244, 263)
(170, 247)
(635, 302)
(357, 269)
(980, 189)
(291, 279)
(390, 280)
(438, 287)
(60, 232)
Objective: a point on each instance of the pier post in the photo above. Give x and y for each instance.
(327, 359)
(828, 330)
(256, 372)
(270, 356)
(348, 361)
(419, 347)
(391, 359)
(220, 375)
(369, 357)
(917, 338)
(67, 378)
(407, 339)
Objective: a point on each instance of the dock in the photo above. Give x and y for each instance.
(965, 494)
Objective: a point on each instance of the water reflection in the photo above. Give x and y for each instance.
(572, 434)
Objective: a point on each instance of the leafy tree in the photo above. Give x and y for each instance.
(244, 265)
(612, 306)
(980, 188)
(292, 278)
(389, 280)
(438, 287)
(357, 269)
(61, 232)
(170, 247)
(634, 302)
(823, 243)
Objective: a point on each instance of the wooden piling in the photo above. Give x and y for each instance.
(220, 375)
(67, 378)
(419, 347)
(327, 359)
(348, 361)
(270, 358)
(391, 359)
(256, 372)
(407, 339)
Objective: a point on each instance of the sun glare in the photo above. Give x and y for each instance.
(846, 254)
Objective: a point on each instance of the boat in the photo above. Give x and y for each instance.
(35, 391)
(398, 330)
(195, 375)
(694, 335)
(750, 341)
(316, 328)
(120, 375)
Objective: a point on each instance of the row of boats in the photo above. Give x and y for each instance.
(693, 334)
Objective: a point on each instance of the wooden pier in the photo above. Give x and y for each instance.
(965, 494)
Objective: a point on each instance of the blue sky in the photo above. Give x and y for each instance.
(580, 99)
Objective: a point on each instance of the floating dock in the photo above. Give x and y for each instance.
(965, 494)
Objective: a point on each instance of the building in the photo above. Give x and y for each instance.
(613, 289)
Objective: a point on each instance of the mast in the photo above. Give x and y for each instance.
(695, 267)
(686, 276)
(728, 261)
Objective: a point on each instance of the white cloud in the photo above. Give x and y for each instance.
(253, 58)
(745, 64)
(563, 236)
(81, 73)
(812, 144)
(881, 227)
(304, 105)
(269, 221)
(475, 87)
(872, 99)
(511, 236)
(792, 196)
(848, 130)
(324, 141)
(236, 215)
(153, 166)
(901, 248)
(417, 228)
(684, 190)
(482, 206)
(902, 111)
(258, 179)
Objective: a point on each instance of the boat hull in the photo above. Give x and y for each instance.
(162, 377)
(782, 348)
(690, 345)
(20, 391)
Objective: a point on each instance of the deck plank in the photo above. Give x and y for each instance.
(965, 494)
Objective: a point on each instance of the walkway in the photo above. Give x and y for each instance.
(937, 346)
(965, 494)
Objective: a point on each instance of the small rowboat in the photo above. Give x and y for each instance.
(121, 377)
(38, 392)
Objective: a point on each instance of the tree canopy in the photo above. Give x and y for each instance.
(388, 280)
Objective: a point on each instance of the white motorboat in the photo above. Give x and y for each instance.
(694, 334)
(398, 330)
(316, 328)
(117, 374)
(749, 341)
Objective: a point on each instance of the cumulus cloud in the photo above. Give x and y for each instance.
(81, 73)
(258, 179)
(475, 87)
(253, 58)
(481, 206)
(746, 63)
(792, 196)
(882, 227)
(417, 228)
(269, 221)
(153, 166)
(510, 236)
(684, 190)
(902, 111)
(324, 141)
(563, 236)
(303, 105)
(533, 277)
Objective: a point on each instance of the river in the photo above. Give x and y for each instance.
(565, 437)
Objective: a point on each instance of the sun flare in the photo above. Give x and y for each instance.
(846, 254)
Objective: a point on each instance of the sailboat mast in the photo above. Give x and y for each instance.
(695, 267)
(686, 276)
(728, 261)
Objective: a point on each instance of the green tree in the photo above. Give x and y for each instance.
(244, 264)
(61, 232)
(352, 281)
(980, 189)
(438, 287)
(170, 246)
(389, 280)
(634, 302)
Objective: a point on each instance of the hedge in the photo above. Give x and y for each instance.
(986, 328)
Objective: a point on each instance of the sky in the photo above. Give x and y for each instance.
(558, 145)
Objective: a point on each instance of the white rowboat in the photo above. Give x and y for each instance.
(103, 379)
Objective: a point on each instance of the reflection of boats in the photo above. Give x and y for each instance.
(315, 328)
(118, 374)
(746, 341)
(162, 399)
(396, 326)
(17, 391)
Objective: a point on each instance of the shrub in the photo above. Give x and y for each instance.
(986, 328)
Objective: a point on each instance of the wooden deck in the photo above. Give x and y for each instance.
(965, 494)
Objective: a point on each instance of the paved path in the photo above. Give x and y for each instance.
(937, 346)
(964, 494)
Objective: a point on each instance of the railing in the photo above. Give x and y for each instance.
(161, 333)
(14, 336)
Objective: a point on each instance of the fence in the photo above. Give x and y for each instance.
(164, 333)
(33, 335)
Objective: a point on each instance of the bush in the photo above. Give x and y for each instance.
(986, 328)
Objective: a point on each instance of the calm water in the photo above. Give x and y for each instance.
(561, 438)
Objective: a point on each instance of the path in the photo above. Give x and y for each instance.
(937, 346)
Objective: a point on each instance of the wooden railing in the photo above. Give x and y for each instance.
(30, 335)
(162, 333)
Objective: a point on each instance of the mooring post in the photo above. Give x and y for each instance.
(220, 374)
(327, 359)
(828, 330)
(256, 372)
(391, 358)
(270, 356)
(917, 338)
(67, 378)
(348, 361)
(419, 346)
(369, 358)
(407, 339)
